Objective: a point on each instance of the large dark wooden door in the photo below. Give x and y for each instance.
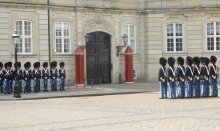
(98, 58)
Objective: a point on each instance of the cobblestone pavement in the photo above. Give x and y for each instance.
(130, 112)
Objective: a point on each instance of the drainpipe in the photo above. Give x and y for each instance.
(48, 11)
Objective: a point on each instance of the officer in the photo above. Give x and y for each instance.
(189, 76)
(37, 76)
(45, 76)
(27, 77)
(213, 76)
(171, 77)
(205, 76)
(1, 77)
(180, 77)
(7, 78)
(162, 78)
(62, 76)
(196, 76)
(53, 75)
(19, 74)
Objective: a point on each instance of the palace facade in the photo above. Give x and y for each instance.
(51, 30)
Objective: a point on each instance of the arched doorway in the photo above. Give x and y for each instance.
(98, 58)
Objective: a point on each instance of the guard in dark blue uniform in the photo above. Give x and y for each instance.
(45, 76)
(27, 77)
(162, 78)
(62, 76)
(171, 78)
(180, 77)
(19, 74)
(37, 76)
(12, 75)
(7, 79)
(1, 77)
(189, 76)
(53, 75)
(205, 76)
(196, 76)
(213, 76)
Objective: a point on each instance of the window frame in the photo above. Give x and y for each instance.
(174, 37)
(23, 37)
(212, 36)
(62, 37)
(129, 38)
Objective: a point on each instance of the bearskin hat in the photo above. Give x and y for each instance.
(189, 60)
(196, 60)
(180, 61)
(38, 64)
(62, 64)
(45, 64)
(1, 65)
(6, 65)
(171, 61)
(27, 65)
(35, 65)
(213, 59)
(10, 64)
(162, 61)
(202, 60)
(206, 60)
(18, 64)
(53, 64)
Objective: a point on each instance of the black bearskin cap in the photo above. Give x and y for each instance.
(35, 64)
(62, 64)
(189, 60)
(53, 64)
(27, 65)
(45, 64)
(38, 64)
(213, 59)
(10, 64)
(202, 60)
(162, 61)
(1, 65)
(207, 60)
(180, 61)
(6, 65)
(196, 60)
(18, 64)
(171, 61)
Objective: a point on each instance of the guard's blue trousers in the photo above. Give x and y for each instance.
(1, 85)
(53, 84)
(214, 85)
(7, 86)
(163, 90)
(197, 89)
(181, 89)
(172, 88)
(45, 84)
(190, 89)
(27, 86)
(62, 84)
(37, 85)
(206, 88)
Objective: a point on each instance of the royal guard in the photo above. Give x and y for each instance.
(1, 77)
(37, 76)
(205, 76)
(196, 76)
(213, 76)
(162, 78)
(7, 79)
(62, 76)
(53, 75)
(19, 74)
(189, 76)
(12, 75)
(27, 77)
(180, 77)
(171, 77)
(45, 76)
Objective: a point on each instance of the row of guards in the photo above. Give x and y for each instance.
(79, 60)
(8, 76)
(197, 79)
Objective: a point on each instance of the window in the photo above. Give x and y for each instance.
(174, 37)
(62, 37)
(24, 29)
(130, 31)
(213, 36)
